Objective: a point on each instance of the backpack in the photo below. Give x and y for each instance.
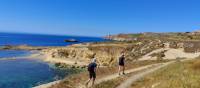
(90, 67)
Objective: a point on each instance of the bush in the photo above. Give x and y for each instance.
(57, 64)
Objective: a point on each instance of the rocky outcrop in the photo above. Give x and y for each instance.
(107, 54)
(192, 46)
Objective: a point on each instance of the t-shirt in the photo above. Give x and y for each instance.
(92, 66)
(121, 60)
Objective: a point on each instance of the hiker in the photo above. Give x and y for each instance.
(92, 71)
(121, 64)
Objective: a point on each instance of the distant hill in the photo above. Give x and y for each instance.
(151, 35)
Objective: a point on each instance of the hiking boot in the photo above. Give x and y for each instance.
(123, 73)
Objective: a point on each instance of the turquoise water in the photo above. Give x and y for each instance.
(26, 73)
(13, 53)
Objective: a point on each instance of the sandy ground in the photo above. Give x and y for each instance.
(170, 54)
(179, 53)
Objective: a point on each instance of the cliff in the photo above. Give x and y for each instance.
(107, 53)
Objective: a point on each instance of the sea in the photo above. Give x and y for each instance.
(27, 73)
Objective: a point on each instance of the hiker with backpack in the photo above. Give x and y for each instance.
(121, 64)
(92, 71)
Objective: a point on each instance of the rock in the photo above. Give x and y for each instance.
(71, 40)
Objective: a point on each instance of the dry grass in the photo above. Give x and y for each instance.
(196, 65)
(177, 75)
(116, 82)
(110, 84)
(75, 80)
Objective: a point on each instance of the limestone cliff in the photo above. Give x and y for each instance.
(107, 54)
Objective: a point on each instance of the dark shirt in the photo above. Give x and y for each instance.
(91, 67)
(121, 60)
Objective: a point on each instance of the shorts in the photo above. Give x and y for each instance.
(92, 75)
(121, 64)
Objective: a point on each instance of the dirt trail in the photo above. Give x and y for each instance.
(134, 78)
(127, 83)
(170, 54)
(113, 76)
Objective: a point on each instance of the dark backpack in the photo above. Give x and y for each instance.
(91, 66)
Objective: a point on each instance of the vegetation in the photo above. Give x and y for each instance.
(115, 82)
(177, 75)
(111, 83)
(135, 35)
(159, 55)
(79, 79)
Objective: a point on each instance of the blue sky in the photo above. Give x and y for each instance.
(98, 17)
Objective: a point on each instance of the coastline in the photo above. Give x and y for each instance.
(41, 56)
(34, 55)
(45, 57)
(47, 85)
(39, 52)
